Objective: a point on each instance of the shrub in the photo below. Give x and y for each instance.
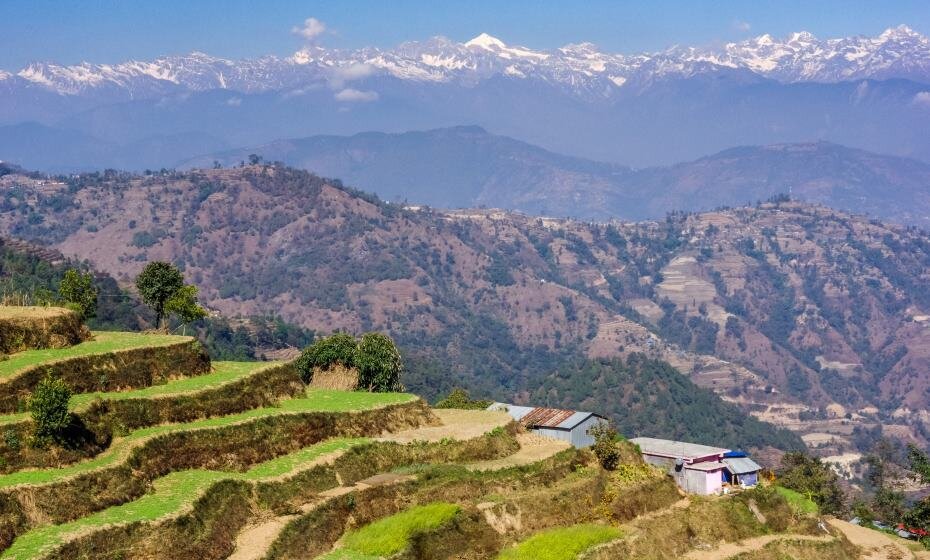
(339, 348)
(374, 356)
(459, 398)
(379, 364)
(78, 292)
(605, 445)
(49, 408)
(813, 479)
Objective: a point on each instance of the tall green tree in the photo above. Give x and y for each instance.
(78, 292)
(157, 284)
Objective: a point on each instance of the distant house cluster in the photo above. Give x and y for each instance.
(700, 469)
(568, 425)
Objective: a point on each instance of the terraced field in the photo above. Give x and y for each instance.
(224, 373)
(242, 461)
(102, 343)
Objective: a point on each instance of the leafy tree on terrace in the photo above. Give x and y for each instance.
(920, 463)
(811, 477)
(77, 291)
(379, 363)
(49, 408)
(157, 283)
(918, 517)
(339, 348)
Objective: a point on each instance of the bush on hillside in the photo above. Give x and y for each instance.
(814, 479)
(605, 445)
(459, 398)
(379, 364)
(49, 408)
(339, 348)
(374, 356)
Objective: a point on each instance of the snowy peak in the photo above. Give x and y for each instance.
(581, 68)
(487, 42)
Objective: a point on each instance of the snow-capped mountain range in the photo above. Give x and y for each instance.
(583, 69)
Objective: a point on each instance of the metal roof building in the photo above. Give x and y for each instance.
(697, 468)
(687, 452)
(568, 425)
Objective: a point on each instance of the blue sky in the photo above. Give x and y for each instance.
(70, 31)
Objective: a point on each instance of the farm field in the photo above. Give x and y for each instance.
(223, 373)
(306, 472)
(103, 342)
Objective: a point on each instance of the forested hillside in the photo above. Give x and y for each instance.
(802, 315)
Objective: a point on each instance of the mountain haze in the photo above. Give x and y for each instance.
(468, 167)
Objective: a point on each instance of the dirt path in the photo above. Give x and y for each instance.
(253, 542)
(875, 544)
(533, 448)
(456, 424)
(730, 550)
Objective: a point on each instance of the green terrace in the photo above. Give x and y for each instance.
(392, 535)
(177, 492)
(223, 373)
(563, 543)
(104, 342)
(314, 400)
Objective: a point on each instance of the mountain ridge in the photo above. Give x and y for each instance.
(469, 167)
(898, 52)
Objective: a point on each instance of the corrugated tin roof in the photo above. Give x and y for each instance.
(541, 417)
(676, 449)
(574, 420)
(741, 465)
(706, 466)
(546, 417)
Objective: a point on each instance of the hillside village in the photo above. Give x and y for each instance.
(138, 445)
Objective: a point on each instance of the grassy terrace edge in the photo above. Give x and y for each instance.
(223, 374)
(561, 543)
(172, 495)
(104, 342)
(315, 401)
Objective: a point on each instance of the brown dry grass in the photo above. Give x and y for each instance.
(335, 377)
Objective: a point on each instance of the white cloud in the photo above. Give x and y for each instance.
(350, 95)
(922, 98)
(310, 30)
(234, 101)
(338, 77)
(742, 26)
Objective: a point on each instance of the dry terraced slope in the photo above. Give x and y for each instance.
(426, 485)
